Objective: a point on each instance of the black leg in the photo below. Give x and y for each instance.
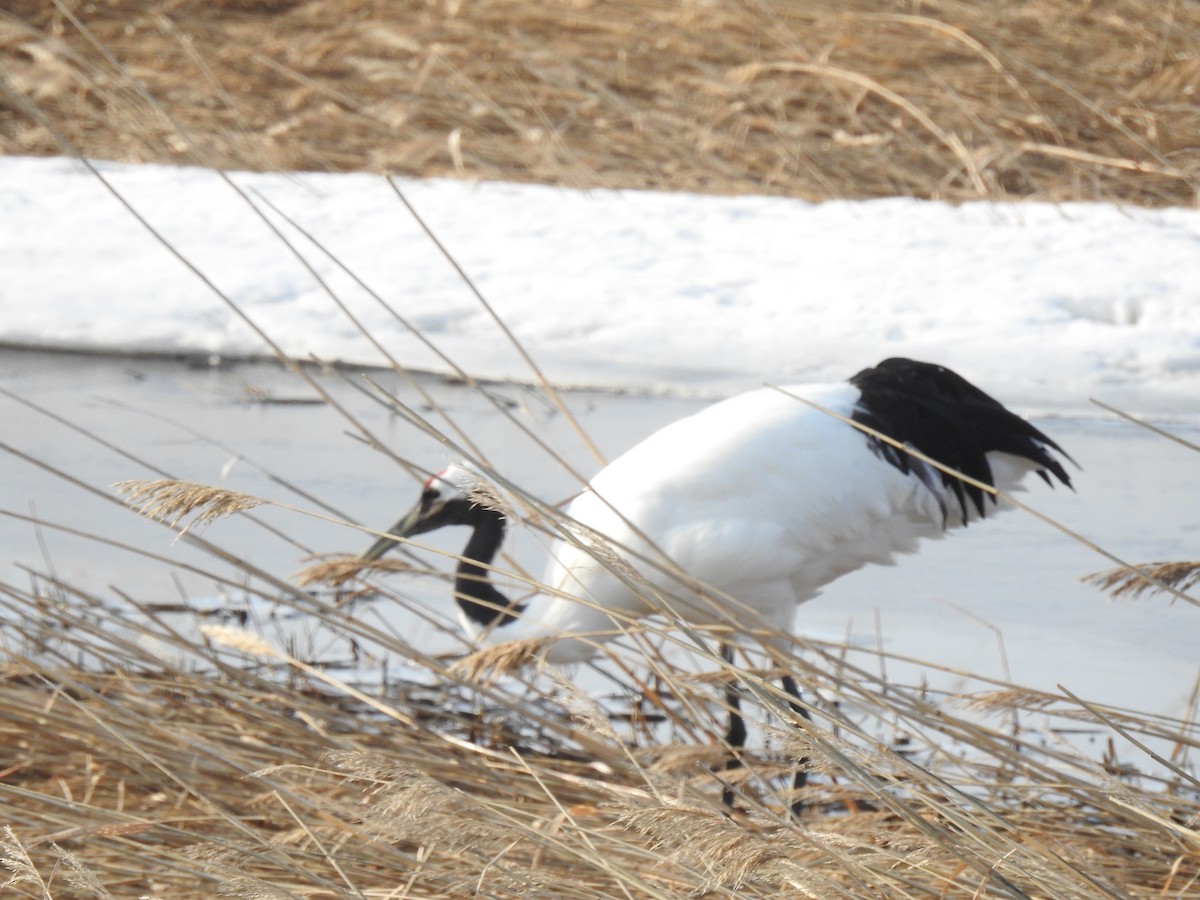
(801, 778)
(735, 737)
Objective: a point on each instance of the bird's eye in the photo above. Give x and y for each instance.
(429, 496)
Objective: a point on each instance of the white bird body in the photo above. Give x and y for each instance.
(754, 506)
(736, 514)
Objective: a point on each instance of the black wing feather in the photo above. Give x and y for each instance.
(940, 413)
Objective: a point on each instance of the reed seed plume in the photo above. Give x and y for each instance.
(239, 640)
(486, 665)
(402, 802)
(1005, 701)
(82, 880)
(342, 569)
(172, 501)
(1127, 582)
(16, 860)
(727, 855)
(463, 833)
(582, 707)
(685, 759)
(483, 493)
(601, 548)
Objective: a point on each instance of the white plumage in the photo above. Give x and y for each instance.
(759, 500)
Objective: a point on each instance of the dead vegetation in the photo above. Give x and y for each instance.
(1045, 99)
(255, 771)
(149, 782)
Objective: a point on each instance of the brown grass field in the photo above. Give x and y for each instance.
(1039, 99)
(259, 774)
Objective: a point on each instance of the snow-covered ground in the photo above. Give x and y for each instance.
(1043, 305)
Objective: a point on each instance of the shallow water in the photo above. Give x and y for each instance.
(1003, 599)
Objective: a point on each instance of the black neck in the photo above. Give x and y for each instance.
(473, 590)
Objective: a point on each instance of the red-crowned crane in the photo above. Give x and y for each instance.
(757, 501)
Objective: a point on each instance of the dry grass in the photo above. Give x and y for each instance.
(171, 784)
(1046, 99)
(252, 772)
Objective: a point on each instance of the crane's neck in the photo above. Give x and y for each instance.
(473, 589)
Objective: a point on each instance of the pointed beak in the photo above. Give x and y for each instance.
(418, 520)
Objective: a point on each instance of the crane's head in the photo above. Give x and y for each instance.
(450, 497)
